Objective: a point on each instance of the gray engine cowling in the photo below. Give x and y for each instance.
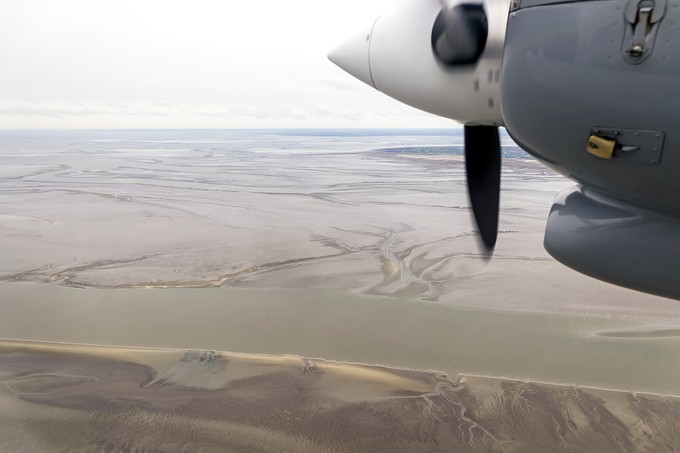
(592, 89)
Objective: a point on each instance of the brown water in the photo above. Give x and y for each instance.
(344, 326)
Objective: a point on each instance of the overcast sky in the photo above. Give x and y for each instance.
(191, 64)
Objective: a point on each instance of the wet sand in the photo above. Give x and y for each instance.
(645, 331)
(248, 209)
(320, 247)
(86, 398)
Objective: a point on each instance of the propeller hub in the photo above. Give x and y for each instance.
(459, 34)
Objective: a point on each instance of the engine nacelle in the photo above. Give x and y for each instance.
(395, 56)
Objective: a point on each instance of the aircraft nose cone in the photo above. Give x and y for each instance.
(353, 56)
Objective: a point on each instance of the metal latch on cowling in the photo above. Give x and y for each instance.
(626, 146)
(642, 22)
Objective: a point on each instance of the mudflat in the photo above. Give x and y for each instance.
(342, 267)
(60, 397)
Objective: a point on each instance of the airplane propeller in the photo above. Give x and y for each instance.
(441, 66)
(459, 37)
(483, 171)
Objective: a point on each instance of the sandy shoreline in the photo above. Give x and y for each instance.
(349, 368)
(61, 397)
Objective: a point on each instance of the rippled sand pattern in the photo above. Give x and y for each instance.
(372, 212)
(80, 398)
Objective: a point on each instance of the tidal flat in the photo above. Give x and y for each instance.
(131, 399)
(345, 246)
